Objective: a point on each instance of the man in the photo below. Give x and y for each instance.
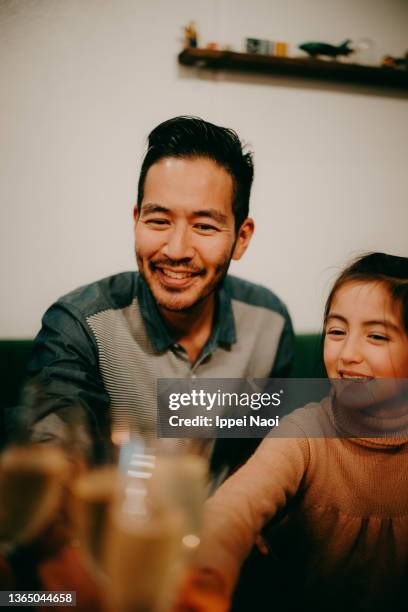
(102, 347)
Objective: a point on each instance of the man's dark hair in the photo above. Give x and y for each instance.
(191, 137)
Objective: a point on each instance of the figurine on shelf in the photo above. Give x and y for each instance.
(190, 35)
(318, 48)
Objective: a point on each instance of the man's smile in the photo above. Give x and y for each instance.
(175, 277)
(174, 274)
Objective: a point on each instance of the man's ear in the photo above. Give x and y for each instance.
(136, 214)
(243, 238)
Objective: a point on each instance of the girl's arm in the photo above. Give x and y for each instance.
(241, 507)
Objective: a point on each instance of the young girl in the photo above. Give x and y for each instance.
(336, 505)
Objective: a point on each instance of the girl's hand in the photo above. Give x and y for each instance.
(67, 572)
(203, 590)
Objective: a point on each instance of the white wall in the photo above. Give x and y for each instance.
(82, 83)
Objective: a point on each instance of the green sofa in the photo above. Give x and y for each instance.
(14, 355)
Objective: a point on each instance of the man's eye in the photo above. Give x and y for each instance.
(158, 222)
(204, 227)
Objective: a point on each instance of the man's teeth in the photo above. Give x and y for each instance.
(178, 275)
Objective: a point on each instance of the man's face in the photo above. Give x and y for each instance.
(185, 234)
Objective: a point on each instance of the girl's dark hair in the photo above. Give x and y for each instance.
(377, 267)
(192, 137)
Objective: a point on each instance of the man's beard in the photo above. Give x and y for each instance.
(220, 274)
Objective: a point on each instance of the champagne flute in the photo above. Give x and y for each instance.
(92, 494)
(144, 542)
(32, 480)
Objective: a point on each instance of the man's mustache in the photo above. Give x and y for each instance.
(184, 264)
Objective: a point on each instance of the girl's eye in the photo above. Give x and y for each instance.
(335, 332)
(378, 337)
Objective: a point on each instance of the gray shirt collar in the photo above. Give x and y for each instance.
(162, 338)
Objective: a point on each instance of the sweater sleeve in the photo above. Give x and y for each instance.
(247, 500)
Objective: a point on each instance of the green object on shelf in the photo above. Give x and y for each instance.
(319, 48)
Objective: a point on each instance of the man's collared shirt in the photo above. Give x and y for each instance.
(103, 347)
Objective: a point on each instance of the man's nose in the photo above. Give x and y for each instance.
(178, 244)
(351, 351)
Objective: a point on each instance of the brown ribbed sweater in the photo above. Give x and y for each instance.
(340, 507)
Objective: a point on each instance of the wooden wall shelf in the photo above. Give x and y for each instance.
(307, 68)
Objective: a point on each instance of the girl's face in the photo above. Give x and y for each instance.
(364, 335)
